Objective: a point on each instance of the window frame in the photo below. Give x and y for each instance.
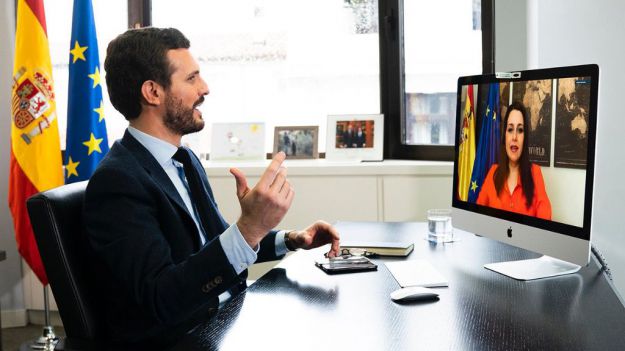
(139, 13)
(392, 87)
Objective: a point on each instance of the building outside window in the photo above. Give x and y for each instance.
(442, 41)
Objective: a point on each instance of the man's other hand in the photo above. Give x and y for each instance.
(318, 234)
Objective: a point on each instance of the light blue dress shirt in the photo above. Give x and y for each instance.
(239, 253)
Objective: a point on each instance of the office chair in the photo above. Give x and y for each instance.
(56, 217)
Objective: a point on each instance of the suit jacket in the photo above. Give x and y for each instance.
(158, 278)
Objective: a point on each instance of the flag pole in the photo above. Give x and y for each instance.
(48, 338)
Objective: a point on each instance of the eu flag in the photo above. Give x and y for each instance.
(488, 147)
(86, 142)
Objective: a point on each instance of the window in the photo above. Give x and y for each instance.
(429, 45)
(282, 62)
(293, 62)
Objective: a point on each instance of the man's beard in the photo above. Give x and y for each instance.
(180, 119)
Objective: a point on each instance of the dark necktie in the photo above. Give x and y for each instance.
(199, 197)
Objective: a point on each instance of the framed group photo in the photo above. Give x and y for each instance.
(355, 137)
(297, 142)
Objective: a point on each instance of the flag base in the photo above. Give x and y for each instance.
(47, 341)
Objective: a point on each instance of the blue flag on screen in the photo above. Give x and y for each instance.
(488, 147)
(86, 142)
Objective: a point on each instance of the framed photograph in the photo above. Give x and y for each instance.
(571, 144)
(355, 137)
(536, 96)
(297, 142)
(238, 142)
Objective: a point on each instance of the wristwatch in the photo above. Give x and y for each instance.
(288, 242)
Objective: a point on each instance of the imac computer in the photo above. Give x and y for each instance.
(524, 164)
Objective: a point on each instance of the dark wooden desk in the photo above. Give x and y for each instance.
(296, 306)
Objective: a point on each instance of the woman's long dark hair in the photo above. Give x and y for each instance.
(503, 170)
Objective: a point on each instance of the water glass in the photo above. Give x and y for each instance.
(439, 226)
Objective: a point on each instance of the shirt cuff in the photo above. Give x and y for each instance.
(239, 253)
(281, 249)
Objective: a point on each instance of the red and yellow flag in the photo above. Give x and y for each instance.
(466, 154)
(35, 148)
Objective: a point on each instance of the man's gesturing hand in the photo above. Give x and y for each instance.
(263, 206)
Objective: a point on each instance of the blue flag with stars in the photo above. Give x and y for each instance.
(86, 142)
(487, 151)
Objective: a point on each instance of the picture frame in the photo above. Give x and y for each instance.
(571, 122)
(297, 142)
(355, 137)
(238, 142)
(536, 96)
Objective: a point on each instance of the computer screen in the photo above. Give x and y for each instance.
(524, 159)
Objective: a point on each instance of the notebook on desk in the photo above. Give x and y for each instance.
(381, 248)
(416, 273)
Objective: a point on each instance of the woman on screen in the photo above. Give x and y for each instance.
(515, 184)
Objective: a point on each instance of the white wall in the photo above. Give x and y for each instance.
(510, 35)
(570, 32)
(567, 204)
(11, 291)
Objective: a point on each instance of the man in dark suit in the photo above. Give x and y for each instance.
(167, 257)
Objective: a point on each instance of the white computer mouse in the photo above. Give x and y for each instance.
(413, 293)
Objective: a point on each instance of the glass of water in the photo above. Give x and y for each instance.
(439, 226)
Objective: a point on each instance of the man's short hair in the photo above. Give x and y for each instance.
(134, 57)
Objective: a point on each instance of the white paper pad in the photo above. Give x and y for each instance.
(416, 273)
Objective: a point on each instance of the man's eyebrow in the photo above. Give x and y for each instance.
(194, 73)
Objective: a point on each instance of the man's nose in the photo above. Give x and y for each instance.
(204, 89)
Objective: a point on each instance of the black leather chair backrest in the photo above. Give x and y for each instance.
(56, 217)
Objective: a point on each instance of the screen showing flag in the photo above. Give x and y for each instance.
(522, 146)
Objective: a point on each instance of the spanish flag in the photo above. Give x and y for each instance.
(35, 163)
(466, 154)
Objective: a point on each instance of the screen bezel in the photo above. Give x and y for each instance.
(591, 71)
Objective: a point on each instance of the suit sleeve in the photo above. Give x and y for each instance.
(124, 218)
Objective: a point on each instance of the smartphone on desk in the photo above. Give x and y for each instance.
(346, 264)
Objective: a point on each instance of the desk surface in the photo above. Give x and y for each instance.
(297, 306)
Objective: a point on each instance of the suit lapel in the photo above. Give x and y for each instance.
(149, 163)
(145, 158)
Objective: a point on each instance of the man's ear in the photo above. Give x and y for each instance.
(152, 92)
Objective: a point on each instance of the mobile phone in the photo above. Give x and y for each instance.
(346, 265)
